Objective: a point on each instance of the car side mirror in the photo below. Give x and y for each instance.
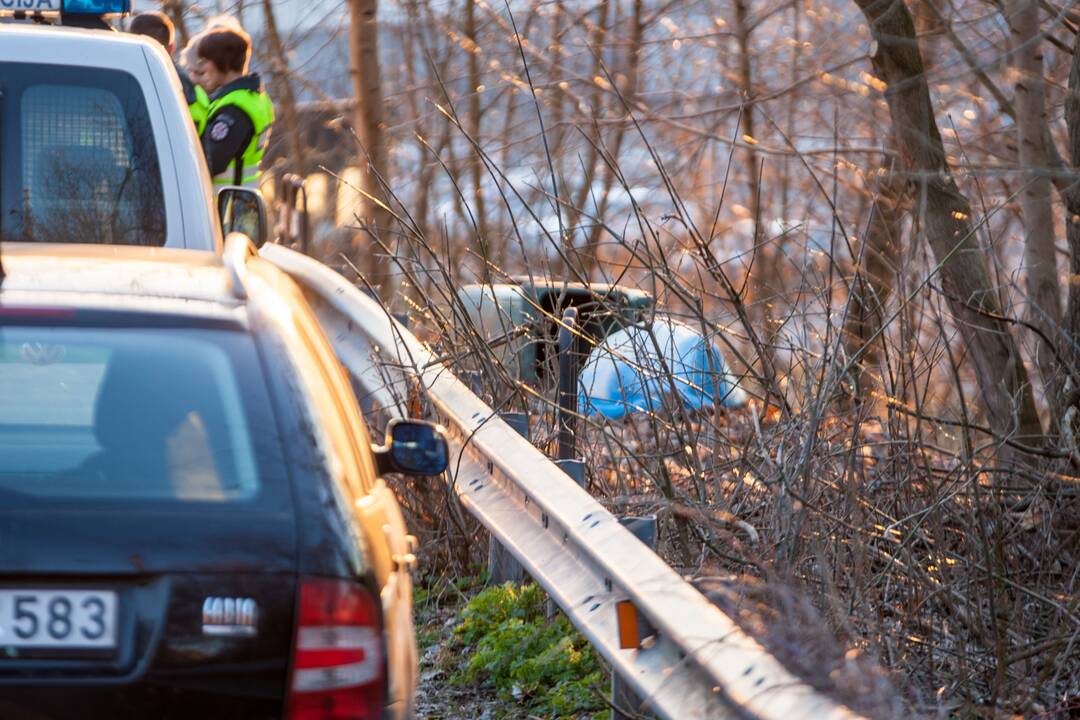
(242, 210)
(413, 447)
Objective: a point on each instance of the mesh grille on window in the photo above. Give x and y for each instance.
(80, 176)
(65, 115)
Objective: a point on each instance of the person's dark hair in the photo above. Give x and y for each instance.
(229, 49)
(153, 24)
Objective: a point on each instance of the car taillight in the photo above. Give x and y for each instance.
(337, 669)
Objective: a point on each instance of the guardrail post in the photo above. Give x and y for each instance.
(574, 468)
(503, 566)
(474, 379)
(567, 387)
(568, 461)
(626, 704)
(293, 223)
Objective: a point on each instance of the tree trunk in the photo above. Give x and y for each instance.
(1043, 290)
(763, 279)
(629, 93)
(556, 132)
(282, 86)
(946, 213)
(1072, 227)
(793, 99)
(746, 117)
(476, 167)
(587, 168)
(873, 281)
(175, 10)
(928, 23)
(410, 39)
(368, 124)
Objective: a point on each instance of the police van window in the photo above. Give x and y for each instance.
(78, 163)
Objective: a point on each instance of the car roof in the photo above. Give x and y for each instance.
(60, 45)
(119, 277)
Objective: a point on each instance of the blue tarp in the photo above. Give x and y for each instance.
(636, 368)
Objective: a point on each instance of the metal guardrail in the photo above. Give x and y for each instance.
(698, 664)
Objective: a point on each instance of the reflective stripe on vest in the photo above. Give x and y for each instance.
(200, 109)
(260, 110)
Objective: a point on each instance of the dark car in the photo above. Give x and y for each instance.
(192, 520)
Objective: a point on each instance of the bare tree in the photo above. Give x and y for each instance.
(412, 40)
(873, 281)
(762, 256)
(586, 168)
(1072, 234)
(1043, 289)
(475, 116)
(368, 124)
(557, 131)
(277, 59)
(628, 95)
(945, 214)
(175, 10)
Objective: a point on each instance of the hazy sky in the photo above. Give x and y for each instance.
(293, 13)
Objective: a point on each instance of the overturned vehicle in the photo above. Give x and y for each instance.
(609, 347)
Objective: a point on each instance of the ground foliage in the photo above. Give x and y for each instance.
(543, 663)
(500, 654)
(879, 566)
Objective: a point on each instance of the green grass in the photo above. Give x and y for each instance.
(504, 639)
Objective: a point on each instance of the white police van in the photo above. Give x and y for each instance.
(96, 143)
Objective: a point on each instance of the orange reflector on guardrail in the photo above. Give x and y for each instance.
(629, 635)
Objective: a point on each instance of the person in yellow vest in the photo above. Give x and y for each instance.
(158, 26)
(240, 113)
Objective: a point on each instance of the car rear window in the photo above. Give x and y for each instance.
(78, 162)
(169, 415)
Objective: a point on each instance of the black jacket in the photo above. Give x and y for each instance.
(229, 130)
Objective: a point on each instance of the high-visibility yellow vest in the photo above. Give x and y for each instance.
(260, 110)
(200, 109)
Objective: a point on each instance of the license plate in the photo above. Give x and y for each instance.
(58, 619)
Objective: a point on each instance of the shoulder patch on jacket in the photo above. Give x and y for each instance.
(220, 129)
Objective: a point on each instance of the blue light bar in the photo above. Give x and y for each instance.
(95, 7)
